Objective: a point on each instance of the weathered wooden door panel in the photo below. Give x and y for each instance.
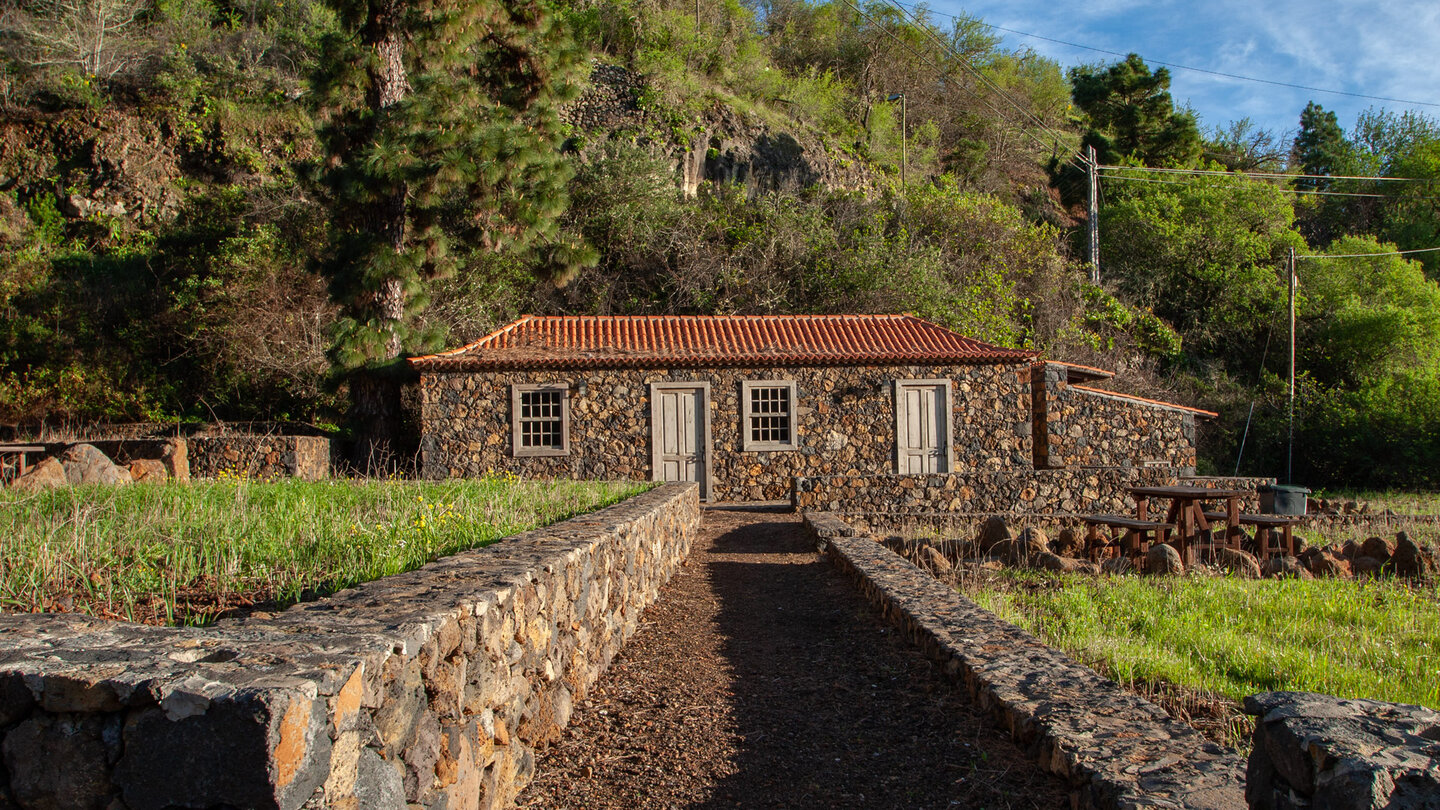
(680, 433)
(922, 426)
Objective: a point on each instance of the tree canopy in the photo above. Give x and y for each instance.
(1131, 115)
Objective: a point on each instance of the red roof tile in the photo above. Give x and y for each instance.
(693, 341)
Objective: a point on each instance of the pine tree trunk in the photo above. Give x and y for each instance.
(375, 394)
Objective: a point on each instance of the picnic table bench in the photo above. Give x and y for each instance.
(1266, 544)
(1127, 536)
(20, 450)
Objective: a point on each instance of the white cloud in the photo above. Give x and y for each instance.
(1385, 48)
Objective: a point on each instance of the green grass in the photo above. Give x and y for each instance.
(1400, 502)
(1375, 639)
(182, 554)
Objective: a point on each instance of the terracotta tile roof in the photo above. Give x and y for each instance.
(1157, 402)
(1078, 373)
(694, 341)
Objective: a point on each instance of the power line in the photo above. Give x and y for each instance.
(942, 72)
(1199, 70)
(1270, 175)
(1368, 255)
(1128, 179)
(965, 63)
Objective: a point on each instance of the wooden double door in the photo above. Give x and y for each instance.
(680, 433)
(922, 427)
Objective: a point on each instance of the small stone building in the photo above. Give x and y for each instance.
(746, 404)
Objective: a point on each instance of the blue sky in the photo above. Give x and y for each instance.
(1385, 48)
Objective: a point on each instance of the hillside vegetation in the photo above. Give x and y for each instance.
(174, 196)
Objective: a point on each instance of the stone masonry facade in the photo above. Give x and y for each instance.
(844, 423)
(264, 457)
(430, 688)
(1080, 427)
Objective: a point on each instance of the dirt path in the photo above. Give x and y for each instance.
(761, 679)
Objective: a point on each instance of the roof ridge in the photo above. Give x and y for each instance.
(1137, 398)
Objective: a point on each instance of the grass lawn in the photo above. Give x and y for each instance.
(185, 554)
(1375, 639)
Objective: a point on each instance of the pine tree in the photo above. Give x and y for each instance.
(1319, 148)
(1131, 114)
(444, 138)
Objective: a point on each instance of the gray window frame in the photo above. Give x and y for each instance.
(517, 391)
(749, 444)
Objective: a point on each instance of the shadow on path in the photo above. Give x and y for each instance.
(762, 679)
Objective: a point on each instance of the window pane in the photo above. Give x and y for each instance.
(542, 419)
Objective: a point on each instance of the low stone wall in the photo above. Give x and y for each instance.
(1115, 749)
(1324, 752)
(429, 688)
(1049, 492)
(265, 457)
(1053, 493)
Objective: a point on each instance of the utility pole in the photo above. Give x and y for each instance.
(1290, 441)
(1093, 221)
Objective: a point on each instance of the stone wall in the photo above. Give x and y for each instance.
(1080, 427)
(430, 688)
(845, 423)
(1318, 751)
(264, 457)
(1114, 748)
(1050, 493)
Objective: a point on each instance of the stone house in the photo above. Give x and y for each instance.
(746, 404)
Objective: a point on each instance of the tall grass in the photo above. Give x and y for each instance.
(1375, 639)
(183, 554)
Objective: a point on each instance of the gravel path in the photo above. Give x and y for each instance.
(761, 679)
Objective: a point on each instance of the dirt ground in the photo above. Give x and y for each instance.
(762, 679)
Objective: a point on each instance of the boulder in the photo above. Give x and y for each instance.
(1049, 561)
(1033, 541)
(1363, 566)
(1238, 563)
(992, 532)
(1068, 543)
(1379, 548)
(176, 458)
(1162, 559)
(1350, 550)
(1410, 560)
(935, 561)
(85, 464)
(151, 470)
(48, 474)
(953, 549)
(1284, 568)
(1117, 565)
(1325, 564)
(1009, 552)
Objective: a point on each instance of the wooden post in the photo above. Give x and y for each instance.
(1093, 223)
(1290, 440)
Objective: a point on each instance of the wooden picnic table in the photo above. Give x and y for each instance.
(21, 450)
(1187, 513)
